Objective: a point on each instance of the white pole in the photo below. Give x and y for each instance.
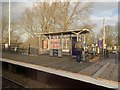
(39, 43)
(84, 41)
(9, 23)
(83, 53)
(104, 33)
(77, 36)
(61, 41)
(49, 42)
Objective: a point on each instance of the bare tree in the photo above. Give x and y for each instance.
(4, 27)
(111, 36)
(55, 16)
(4, 31)
(29, 25)
(75, 14)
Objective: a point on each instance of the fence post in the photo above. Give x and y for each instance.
(118, 55)
(29, 50)
(9, 48)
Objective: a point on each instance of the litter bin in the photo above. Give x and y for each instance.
(56, 52)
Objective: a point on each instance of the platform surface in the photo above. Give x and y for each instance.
(101, 72)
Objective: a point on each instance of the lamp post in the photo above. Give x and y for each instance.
(9, 25)
(104, 33)
(104, 45)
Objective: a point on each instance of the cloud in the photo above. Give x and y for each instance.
(105, 8)
(17, 8)
(99, 10)
(60, 0)
(99, 22)
(19, 0)
(106, 0)
(109, 20)
(0, 11)
(108, 10)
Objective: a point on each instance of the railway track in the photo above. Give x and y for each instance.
(8, 83)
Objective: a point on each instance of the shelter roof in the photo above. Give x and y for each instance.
(80, 31)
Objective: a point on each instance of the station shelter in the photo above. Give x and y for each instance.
(63, 41)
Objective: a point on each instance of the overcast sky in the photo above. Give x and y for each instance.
(101, 9)
(106, 9)
(60, 0)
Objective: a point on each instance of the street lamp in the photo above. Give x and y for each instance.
(104, 33)
(9, 24)
(104, 45)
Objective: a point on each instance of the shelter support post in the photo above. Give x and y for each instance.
(38, 44)
(49, 40)
(84, 47)
(61, 41)
(39, 50)
(70, 45)
(41, 44)
(77, 36)
(84, 41)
